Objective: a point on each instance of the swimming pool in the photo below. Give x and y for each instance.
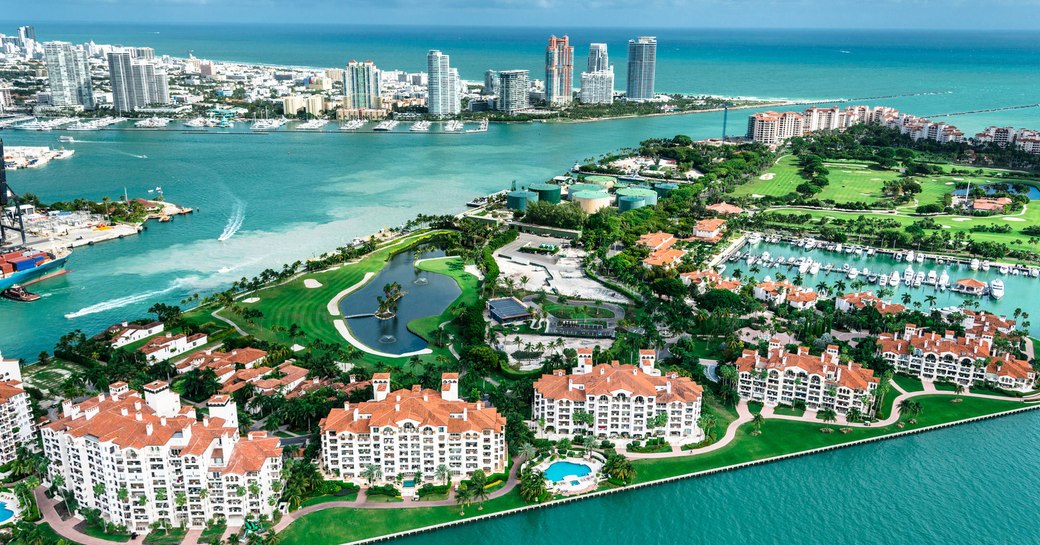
(5, 513)
(557, 471)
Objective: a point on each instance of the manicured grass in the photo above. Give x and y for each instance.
(785, 436)
(755, 406)
(706, 347)
(161, 537)
(383, 499)
(100, 533)
(848, 181)
(573, 312)
(342, 525)
(945, 386)
(329, 498)
(785, 178)
(50, 537)
(453, 267)
(788, 411)
(778, 437)
(213, 533)
(908, 384)
(293, 303)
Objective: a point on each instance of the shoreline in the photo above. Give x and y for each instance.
(686, 476)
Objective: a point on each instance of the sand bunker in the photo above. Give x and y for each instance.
(767, 176)
(311, 283)
(251, 300)
(961, 219)
(1014, 219)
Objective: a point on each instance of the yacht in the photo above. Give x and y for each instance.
(1034, 272)
(454, 125)
(804, 267)
(910, 256)
(894, 279)
(845, 267)
(931, 279)
(838, 248)
(387, 125)
(765, 256)
(313, 125)
(899, 256)
(918, 279)
(420, 126)
(908, 273)
(944, 280)
(197, 122)
(853, 273)
(996, 289)
(81, 126)
(872, 278)
(66, 138)
(754, 238)
(352, 125)
(814, 268)
(152, 123)
(974, 265)
(986, 265)
(34, 125)
(920, 258)
(1004, 269)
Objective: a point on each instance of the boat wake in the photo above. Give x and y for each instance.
(117, 303)
(238, 216)
(128, 153)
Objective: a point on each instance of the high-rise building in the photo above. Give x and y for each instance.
(144, 53)
(17, 427)
(642, 66)
(361, 86)
(68, 73)
(597, 84)
(129, 456)
(559, 71)
(772, 128)
(490, 83)
(444, 93)
(135, 84)
(598, 59)
(27, 33)
(512, 90)
(597, 87)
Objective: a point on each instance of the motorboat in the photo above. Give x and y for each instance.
(932, 278)
(974, 265)
(918, 279)
(996, 289)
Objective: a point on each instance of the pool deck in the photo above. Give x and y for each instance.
(565, 485)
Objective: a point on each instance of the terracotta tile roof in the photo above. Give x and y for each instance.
(828, 366)
(725, 208)
(657, 241)
(1007, 366)
(662, 258)
(864, 299)
(933, 343)
(606, 379)
(10, 389)
(971, 283)
(422, 407)
(710, 225)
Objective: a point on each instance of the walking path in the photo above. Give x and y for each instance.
(67, 528)
(360, 503)
(743, 416)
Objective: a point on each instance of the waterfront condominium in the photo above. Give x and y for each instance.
(613, 400)
(964, 360)
(597, 83)
(361, 86)
(512, 91)
(821, 382)
(642, 67)
(68, 74)
(135, 84)
(559, 71)
(444, 91)
(490, 83)
(142, 460)
(16, 419)
(772, 128)
(412, 432)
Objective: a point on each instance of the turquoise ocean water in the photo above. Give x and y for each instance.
(287, 196)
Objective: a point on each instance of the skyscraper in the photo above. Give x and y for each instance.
(135, 84)
(642, 65)
(490, 83)
(512, 90)
(68, 73)
(361, 86)
(597, 84)
(443, 99)
(26, 33)
(559, 71)
(598, 60)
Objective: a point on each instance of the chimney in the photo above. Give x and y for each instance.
(66, 407)
(205, 421)
(465, 413)
(162, 421)
(148, 428)
(803, 350)
(397, 407)
(137, 416)
(124, 412)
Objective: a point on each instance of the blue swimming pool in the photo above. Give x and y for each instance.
(558, 470)
(5, 513)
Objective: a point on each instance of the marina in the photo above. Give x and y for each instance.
(931, 281)
(33, 156)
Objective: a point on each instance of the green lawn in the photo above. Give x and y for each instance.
(162, 537)
(329, 498)
(572, 312)
(788, 411)
(848, 181)
(100, 533)
(342, 525)
(778, 437)
(213, 533)
(453, 267)
(294, 303)
(907, 383)
(945, 386)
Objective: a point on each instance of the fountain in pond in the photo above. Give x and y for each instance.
(387, 339)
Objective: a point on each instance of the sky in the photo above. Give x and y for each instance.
(924, 14)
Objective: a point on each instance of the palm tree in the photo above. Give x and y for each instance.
(462, 498)
(828, 415)
(906, 298)
(930, 300)
(854, 414)
(532, 485)
(757, 421)
(477, 487)
(443, 473)
(528, 452)
(372, 472)
(619, 468)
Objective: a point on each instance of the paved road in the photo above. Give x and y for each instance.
(67, 528)
(360, 502)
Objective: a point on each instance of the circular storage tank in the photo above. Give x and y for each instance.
(518, 200)
(630, 202)
(664, 189)
(549, 193)
(574, 189)
(607, 181)
(591, 201)
(649, 195)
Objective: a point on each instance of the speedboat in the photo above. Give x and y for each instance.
(918, 279)
(899, 256)
(996, 289)
(985, 265)
(910, 256)
(974, 265)
(944, 279)
(853, 273)
(931, 278)
(814, 268)
(1004, 269)
(920, 258)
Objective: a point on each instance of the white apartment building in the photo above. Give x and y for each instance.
(133, 457)
(964, 360)
(784, 292)
(410, 431)
(170, 345)
(312, 104)
(597, 87)
(624, 400)
(822, 382)
(773, 128)
(512, 90)
(1027, 140)
(68, 74)
(17, 427)
(445, 92)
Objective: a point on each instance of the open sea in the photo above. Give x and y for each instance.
(284, 196)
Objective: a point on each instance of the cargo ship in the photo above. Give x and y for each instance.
(24, 267)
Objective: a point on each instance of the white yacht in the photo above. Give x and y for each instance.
(899, 256)
(352, 125)
(34, 125)
(944, 280)
(986, 265)
(1004, 269)
(920, 258)
(420, 126)
(814, 268)
(313, 125)
(804, 267)
(152, 123)
(996, 289)
(894, 279)
(754, 238)
(853, 273)
(388, 125)
(918, 279)
(931, 279)
(197, 122)
(454, 125)
(974, 265)
(1034, 272)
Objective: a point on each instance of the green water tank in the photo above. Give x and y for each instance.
(549, 193)
(630, 202)
(664, 188)
(607, 181)
(574, 189)
(648, 195)
(518, 200)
